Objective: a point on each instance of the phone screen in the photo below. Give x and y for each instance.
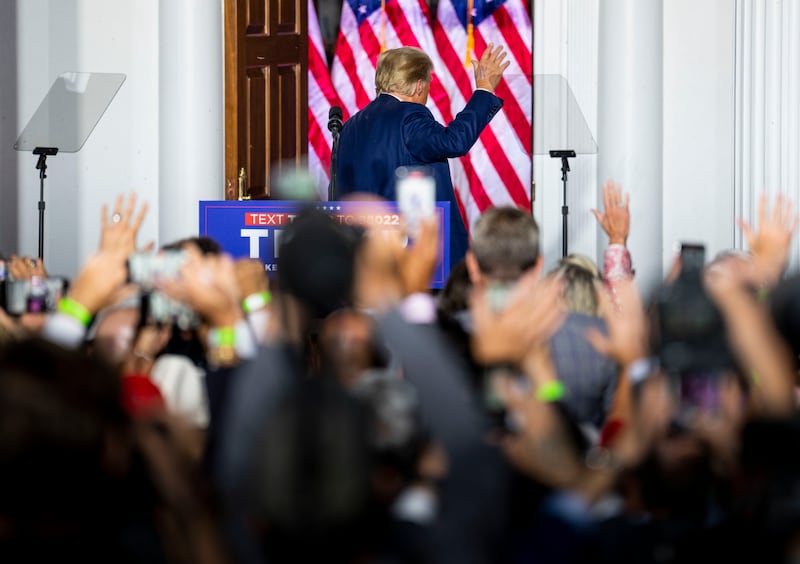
(415, 189)
(693, 257)
(697, 393)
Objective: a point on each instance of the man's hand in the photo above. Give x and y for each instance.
(770, 244)
(489, 70)
(616, 217)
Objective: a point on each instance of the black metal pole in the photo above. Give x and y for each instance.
(334, 158)
(42, 176)
(564, 206)
(41, 166)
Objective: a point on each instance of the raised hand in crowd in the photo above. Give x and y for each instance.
(417, 261)
(377, 284)
(628, 334)
(253, 284)
(105, 273)
(489, 69)
(770, 242)
(540, 446)
(387, 269)
(615, 219)
(529, 318)
(207, 284)
(120, 228)
(763, 354)
(251, 278)
(25, 268)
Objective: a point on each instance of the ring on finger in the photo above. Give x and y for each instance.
(116, 218)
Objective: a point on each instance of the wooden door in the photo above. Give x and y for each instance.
(266, 90)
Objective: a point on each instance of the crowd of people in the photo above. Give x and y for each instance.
(180, 406)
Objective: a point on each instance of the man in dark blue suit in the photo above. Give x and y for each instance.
(396, 129)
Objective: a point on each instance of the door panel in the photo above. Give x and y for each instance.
(266, 122)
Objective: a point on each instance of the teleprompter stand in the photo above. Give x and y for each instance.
(41, 166)
(64, 120)
(564, 155)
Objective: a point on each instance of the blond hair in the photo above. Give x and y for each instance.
(582, 279)
(400, 69)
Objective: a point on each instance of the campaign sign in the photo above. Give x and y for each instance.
(253, 228)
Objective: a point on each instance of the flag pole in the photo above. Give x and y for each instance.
(470, 36)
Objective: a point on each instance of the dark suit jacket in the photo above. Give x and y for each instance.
(389, 133)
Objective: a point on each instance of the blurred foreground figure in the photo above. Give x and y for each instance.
(80, 481)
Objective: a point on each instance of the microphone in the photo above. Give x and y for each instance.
(335, 119)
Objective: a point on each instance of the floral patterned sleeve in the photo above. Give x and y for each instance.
(617, 263)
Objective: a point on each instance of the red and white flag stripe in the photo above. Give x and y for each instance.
(501, 160)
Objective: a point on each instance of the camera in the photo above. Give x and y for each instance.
(691, 337)
(690, 328)
(35, 295)
(147, 269)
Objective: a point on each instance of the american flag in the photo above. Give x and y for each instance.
(497, 171)
(368, 27)
(321, 96)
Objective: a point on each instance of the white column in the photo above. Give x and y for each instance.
(630, 121)
(698, 129)
(191, 144)
(767, 101)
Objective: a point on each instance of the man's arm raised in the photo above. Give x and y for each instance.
(430, 141)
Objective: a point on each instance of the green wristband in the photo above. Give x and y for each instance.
(75, 310)
(224, 336)
(550, 391)
(256, 301)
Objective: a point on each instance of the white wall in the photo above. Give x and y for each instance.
(121, 155)
(698, 158)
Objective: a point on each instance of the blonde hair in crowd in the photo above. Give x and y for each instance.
(582, 279)
(398, 70)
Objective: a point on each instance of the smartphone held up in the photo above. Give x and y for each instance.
(415, 189)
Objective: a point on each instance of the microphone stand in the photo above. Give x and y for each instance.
(334, 126)
(564, 155)
(334, 158)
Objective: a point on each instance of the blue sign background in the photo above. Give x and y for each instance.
(258, 235)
